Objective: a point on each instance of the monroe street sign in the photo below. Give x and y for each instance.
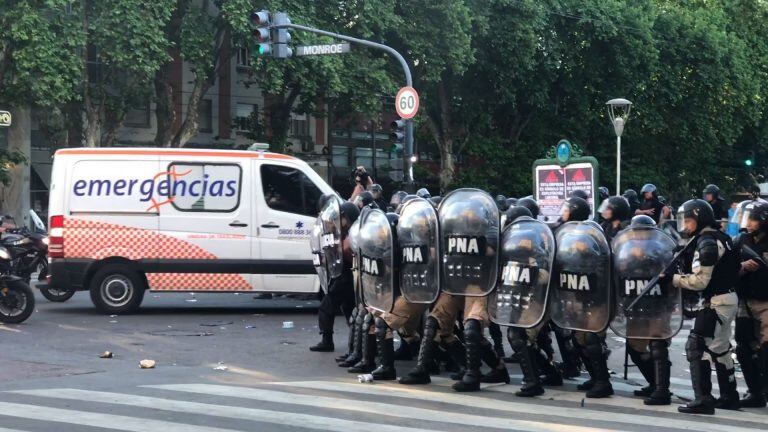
(337, 48)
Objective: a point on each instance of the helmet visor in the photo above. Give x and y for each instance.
(681, 220)
(604, 206)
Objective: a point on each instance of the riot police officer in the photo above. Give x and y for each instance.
(711, 194)
(752, 318)
(713, 272)
(377, 191)
(634, 202)
(586, 286)
(340, 291)
(651, 206)
(615, 213)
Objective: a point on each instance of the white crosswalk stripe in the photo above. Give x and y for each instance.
(336, 405)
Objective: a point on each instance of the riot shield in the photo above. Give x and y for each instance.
(418, 237)
(581, 294)
(526, 255)
(377, 264)
(318, 258)
(332, 248)
(469, 242)
(639, 254)
(354, 245)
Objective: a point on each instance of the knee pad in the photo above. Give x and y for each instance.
(694, 347)
(744, 333)
(517, 338)
(431, 328)
(659, 349)
(473, 331)
(381, 328)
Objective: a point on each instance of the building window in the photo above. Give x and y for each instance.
(205, 187)
(289, 190)
(340, 156)
(364, 157)
(299, 127)
(243, 58)
(138, 116)
(243, 116)
(205, 116)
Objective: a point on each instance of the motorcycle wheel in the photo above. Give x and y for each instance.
(57, 295)
(17, 302)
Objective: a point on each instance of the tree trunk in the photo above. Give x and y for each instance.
(280, 117)
(447, 169)
(191, 122)
(92, 126)
(165, 115)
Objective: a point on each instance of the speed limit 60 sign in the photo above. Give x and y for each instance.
(407, 102)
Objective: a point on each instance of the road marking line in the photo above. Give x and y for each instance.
(98, 420)
(251, 414)
(380, 408)
(10, 430)
(517, 407)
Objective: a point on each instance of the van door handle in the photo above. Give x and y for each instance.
(238, 224)
(270, 225)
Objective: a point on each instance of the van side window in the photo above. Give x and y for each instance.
(289, 190)
(201, 187)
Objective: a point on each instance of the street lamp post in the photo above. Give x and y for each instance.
(618, 112)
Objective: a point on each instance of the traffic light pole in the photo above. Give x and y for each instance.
(408, 173)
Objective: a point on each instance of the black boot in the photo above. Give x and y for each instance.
(386, 347)
(325, 344)
(406, 350)
(596, 355)
(644, 363)
(357, 345)
(498, 340)
(351, 340)
(568, 351)
(701, 379)
(531, 384)
(420, 374)
(498, 373)
(729, 395)
(368, 361)
(513, 358)
(750, 367)
(661, 365)
(458, 353)
(473, 335)
(552, 377)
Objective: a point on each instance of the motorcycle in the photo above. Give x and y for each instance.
(17, 301)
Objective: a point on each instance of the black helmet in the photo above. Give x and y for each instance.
(530, 204)
(376, 190)
(649, 187)
(396, 199)
(618, 206)
(662, 200)
(711, 189)
(393, 219)
(501, 203)
(423, 193)
(699, 210)
(513, 213)
(759, 213)
(631, 195)
(366, 198)
(511, 202)
(578, 209)
(349, 211)
(604, 192)
(579, 193)
(754, 191)
(641, 221)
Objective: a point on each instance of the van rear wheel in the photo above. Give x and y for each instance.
(117, 289)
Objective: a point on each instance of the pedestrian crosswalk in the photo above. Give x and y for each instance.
(340, 406)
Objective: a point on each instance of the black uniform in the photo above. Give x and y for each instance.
(654, 204)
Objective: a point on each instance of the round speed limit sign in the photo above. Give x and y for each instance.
(407, 102)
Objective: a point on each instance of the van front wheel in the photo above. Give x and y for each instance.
(117, 289)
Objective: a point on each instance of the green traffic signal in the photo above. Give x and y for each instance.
(748, 162)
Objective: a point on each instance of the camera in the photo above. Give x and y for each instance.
(359, 176)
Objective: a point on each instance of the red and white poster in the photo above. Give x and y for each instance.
(555, 183)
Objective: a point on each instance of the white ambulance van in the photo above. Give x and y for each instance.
(124, 220)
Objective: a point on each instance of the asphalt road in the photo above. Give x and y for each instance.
(225, 362)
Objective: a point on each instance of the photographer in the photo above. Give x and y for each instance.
(362, 181)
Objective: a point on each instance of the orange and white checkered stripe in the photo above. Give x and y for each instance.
(86, 239)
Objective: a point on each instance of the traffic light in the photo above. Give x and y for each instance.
(281, 37)
(750, 160)
(398, 134)
(260, 23)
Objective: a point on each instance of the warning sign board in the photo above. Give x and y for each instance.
(555, 183)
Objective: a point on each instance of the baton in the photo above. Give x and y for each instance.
(649, 286)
